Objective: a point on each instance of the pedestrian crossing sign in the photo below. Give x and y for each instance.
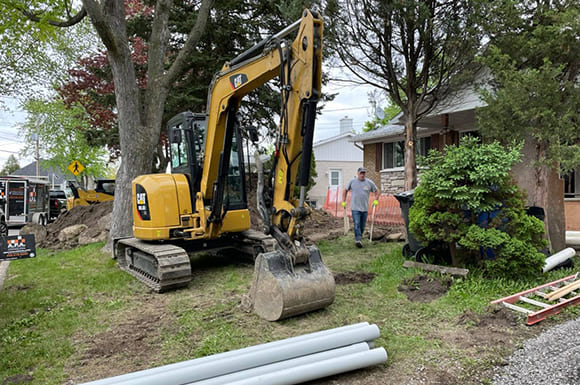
(76, 167)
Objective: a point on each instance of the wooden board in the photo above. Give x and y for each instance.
(455, 271)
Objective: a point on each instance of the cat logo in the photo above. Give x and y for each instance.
(238, 80)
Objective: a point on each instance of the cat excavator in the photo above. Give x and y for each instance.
(202, 203)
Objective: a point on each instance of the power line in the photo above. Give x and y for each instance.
(10, 152)
(9, 139)
(345, 109)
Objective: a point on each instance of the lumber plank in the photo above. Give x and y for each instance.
(564, 290)
(455, 271)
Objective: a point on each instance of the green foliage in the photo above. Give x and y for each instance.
(533, 57)
(61, 137)
(389, 113)
(36, 54)
(470, 182)
(10, 166)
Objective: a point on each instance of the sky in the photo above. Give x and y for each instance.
(11, 117)
(351, 101)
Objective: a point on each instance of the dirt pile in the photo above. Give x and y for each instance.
(79, 226)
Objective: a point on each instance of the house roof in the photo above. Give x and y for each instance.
(388, 131)
(333, 138)
(30, 170)
(460, 106)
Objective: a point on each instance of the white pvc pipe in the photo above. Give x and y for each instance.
(315, 370)
(278, 366)
(214, 368)
(558, 258)
(223, 356)
(573, 238)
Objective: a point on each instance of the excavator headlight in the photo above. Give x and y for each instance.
(142, 203)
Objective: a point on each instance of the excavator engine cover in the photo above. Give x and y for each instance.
(280, 290)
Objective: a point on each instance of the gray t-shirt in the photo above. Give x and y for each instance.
(359, 196)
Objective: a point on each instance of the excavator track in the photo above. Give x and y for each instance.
(162, 267)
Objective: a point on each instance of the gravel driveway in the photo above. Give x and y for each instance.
(552, 358)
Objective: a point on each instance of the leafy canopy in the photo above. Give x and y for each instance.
(534, 59)
(57, 126)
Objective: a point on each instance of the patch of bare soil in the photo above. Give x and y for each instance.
(128, 345)
(349, 277)
(18, 379)
(423, 288)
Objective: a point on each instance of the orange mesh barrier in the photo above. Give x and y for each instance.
(388, 212)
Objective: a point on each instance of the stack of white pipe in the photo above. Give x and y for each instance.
(291, 361)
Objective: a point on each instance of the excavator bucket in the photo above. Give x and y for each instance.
(281, 290)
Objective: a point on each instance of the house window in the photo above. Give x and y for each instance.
(570, 190)
(394, 152)
(335, 178)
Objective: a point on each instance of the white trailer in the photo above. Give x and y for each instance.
(23, 200)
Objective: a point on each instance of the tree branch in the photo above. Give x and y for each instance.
(37, 17)
(99, 21)
(180, 63)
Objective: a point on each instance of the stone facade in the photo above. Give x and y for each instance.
(392, 181)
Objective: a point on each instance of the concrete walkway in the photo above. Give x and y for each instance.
(3, 270)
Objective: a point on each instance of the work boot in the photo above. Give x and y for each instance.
(359, 244)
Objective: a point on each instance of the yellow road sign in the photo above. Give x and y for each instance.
(76, 167)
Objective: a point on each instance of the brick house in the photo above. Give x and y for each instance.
(383, 153)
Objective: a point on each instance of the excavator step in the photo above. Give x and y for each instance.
(162, 267)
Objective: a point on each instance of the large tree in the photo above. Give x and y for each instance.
(169, 54)
(534, 95)
(413, 50)
(139, 114)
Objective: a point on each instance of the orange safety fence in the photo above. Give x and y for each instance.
(388, 211)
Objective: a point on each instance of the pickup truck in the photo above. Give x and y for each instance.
(57, 203)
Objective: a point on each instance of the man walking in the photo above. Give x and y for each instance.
(360, 188)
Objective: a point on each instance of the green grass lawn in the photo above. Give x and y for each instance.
(74, 316)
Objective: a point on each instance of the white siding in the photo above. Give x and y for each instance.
(338, 150)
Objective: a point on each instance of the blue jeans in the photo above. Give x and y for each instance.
(360, 219)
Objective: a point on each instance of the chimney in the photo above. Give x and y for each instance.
(346, 125)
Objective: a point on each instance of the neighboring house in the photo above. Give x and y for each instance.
(55, 178)
(337, 160)
(446, 124)
(384, 147)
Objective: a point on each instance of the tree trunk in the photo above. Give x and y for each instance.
(410, 158)
(544, 189)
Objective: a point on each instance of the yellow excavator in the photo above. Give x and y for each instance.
(202, 203)
(104, 191)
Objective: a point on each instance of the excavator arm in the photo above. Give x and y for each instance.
(292, 279)
(298, 66)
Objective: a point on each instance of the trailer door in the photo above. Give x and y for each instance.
(17, 201)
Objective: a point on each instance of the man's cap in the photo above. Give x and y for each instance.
(362, 169)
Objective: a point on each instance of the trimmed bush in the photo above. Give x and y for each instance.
(468, 199)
